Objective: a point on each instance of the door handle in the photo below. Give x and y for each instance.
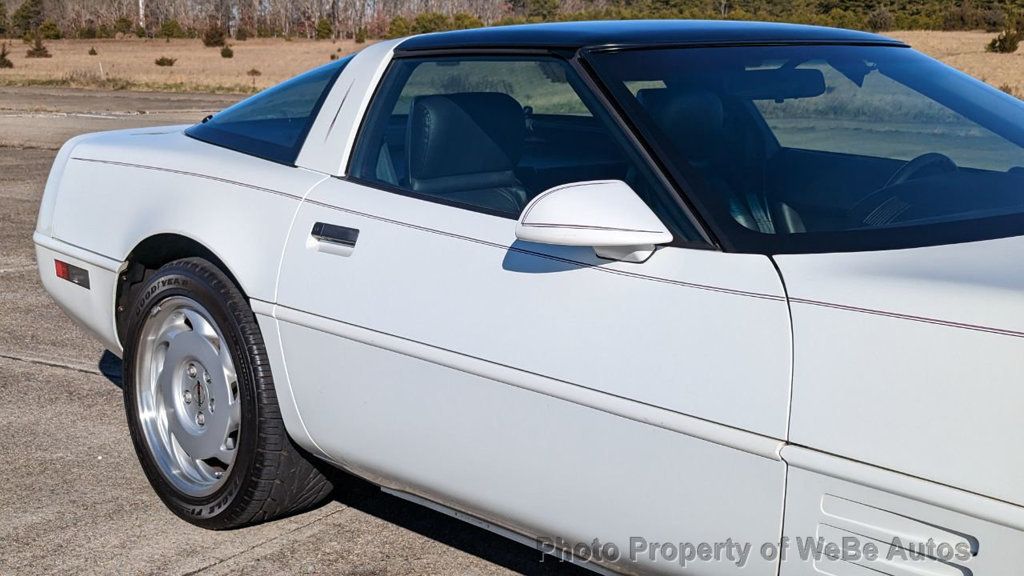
(339, 240)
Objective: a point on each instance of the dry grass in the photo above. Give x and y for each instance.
(966, 51)
(130, 64)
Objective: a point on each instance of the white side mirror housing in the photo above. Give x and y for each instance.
(604, 214)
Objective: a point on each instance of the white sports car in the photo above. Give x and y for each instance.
(707, 297)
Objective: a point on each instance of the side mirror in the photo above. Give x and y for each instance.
(604, 214)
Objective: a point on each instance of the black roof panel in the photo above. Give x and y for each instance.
(635, 32)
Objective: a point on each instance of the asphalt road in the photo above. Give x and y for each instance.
(72, 496)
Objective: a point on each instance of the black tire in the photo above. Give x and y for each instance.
(271, 476)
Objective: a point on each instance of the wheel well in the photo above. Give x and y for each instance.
(148, 257)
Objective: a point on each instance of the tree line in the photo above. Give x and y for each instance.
(362, 19)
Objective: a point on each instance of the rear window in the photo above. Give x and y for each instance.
(272, 124)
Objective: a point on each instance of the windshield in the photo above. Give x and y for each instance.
(828, 148)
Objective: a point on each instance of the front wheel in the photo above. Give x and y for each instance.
(201, 403)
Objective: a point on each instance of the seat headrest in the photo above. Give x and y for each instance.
(464, 134)
(693, 119)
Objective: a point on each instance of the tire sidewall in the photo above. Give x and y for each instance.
(183, 279)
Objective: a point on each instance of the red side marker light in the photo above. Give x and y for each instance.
(62, 270)
(71, 273)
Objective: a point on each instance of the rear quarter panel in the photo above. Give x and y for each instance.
(120, 188)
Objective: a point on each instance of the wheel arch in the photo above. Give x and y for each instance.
(148, 256)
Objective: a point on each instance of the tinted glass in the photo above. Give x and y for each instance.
(272, 124)
(830, 148)
(491, 133)
(541, 87)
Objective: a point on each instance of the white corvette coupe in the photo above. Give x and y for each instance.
(716, 298)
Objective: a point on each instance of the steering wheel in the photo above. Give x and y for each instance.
(928, 164)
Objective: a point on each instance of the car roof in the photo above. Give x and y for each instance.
(632, 33)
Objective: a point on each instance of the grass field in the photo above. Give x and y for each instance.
(966, 51)
(129, 64)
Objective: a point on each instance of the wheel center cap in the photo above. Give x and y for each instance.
(195, 393)
(200, 395)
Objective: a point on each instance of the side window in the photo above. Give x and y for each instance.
(272, 124)
(539, 86)
(491, 133)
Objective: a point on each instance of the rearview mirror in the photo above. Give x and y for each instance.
(776, 84)
(604, 214)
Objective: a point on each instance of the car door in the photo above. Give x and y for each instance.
(540, 388)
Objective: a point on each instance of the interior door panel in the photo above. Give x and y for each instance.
(566, 148)
(558, 149)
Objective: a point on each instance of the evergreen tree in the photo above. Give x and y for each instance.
(541, 9)
(399, 27)
(28, 17)
(324, 29)
(3, 18)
